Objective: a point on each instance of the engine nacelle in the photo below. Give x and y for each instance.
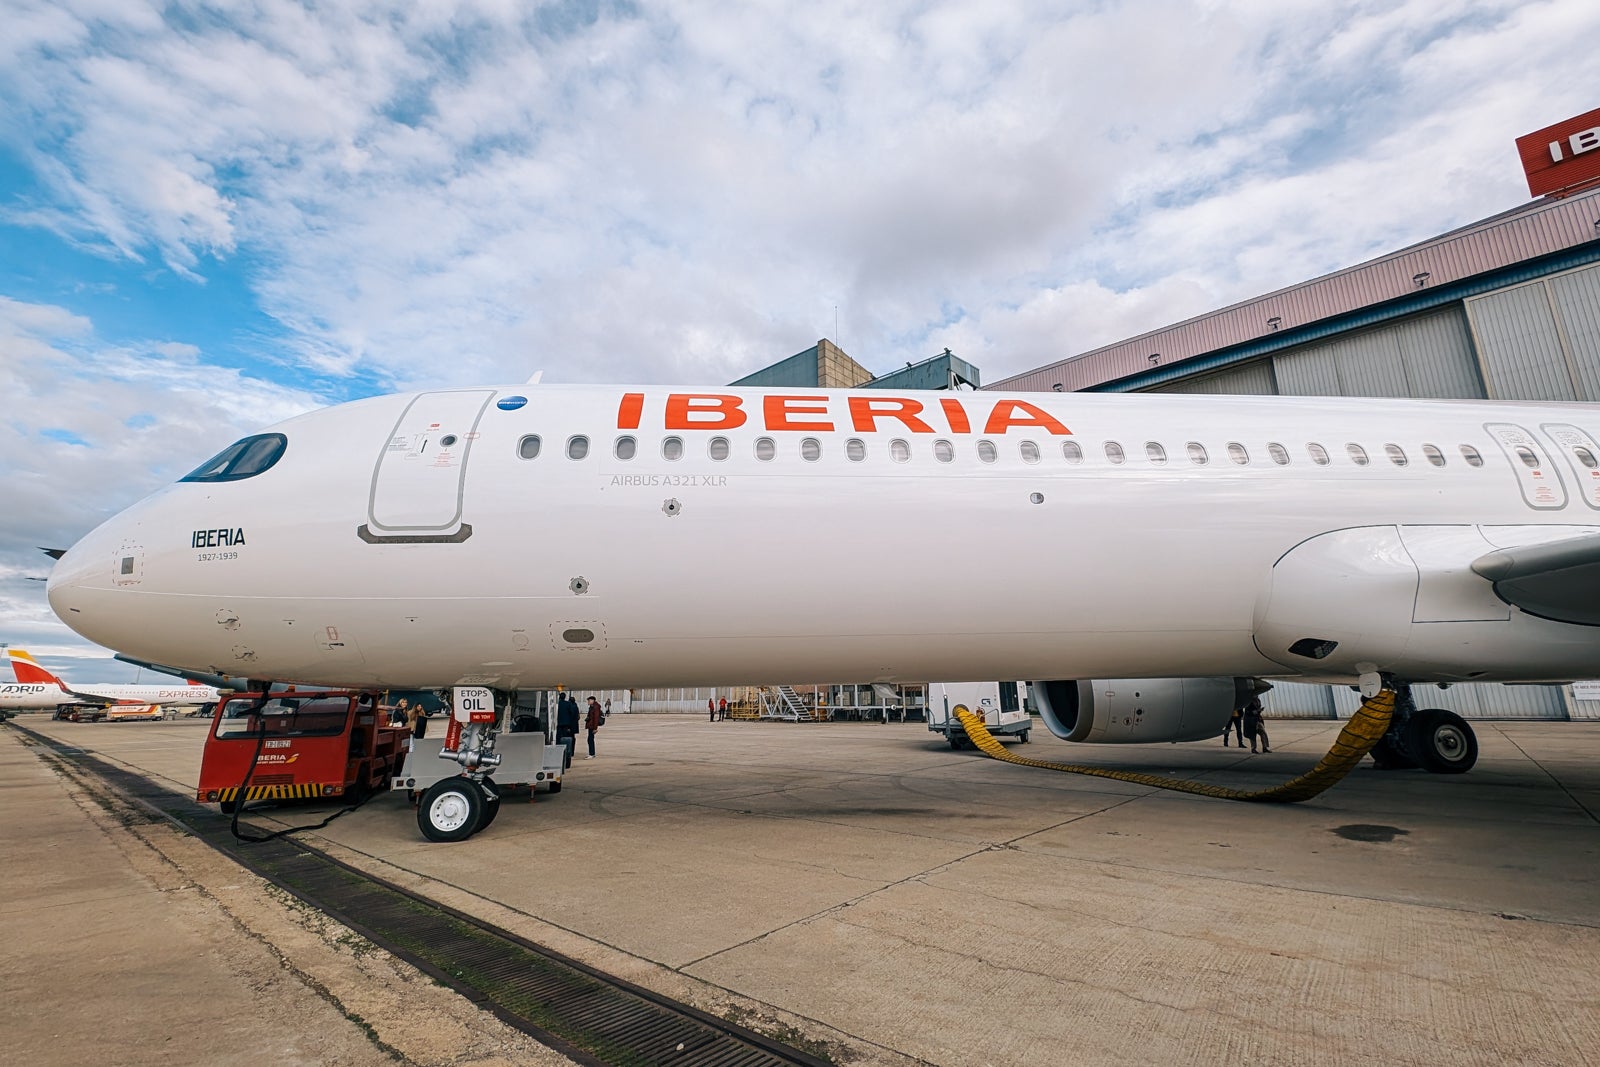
(1132, 710)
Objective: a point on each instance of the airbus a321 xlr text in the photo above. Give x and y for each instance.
(608, 537)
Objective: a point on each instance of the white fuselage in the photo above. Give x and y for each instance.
(407, 541)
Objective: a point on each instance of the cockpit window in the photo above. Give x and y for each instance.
(242, 459)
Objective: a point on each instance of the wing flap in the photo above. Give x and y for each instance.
(1558, 580)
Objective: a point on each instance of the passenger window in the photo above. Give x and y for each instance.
(1071, 452)
(1154, 452)
(856, 449)
(986, 451)
(672, 448)
(1029, 450)
(1238, 453)
(1358, 455)
(1114, 452)
(528, 447)
(1435, 456)
(810, 448)
(1585, 457)
(625, 448)
(577, 446)
(1397, 455)
(1526, 455)
(765, 449)
(1319, 455)
(1279, 454)
(1197, 454)
(944, 451)
(243, 459)
(1473, 457)
(899, 451)
(718, 448)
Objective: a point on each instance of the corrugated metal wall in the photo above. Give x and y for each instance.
(1427, 356)
(1541, 340)
(1475, 701)
(1252, 379)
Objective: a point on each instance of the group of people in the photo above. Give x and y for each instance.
(415, 718)
(567, 723)
(717, 709)
(1246, 722)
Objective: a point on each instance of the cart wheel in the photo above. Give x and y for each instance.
(229, 806)
(555, 787)
(491, 803)
(450, 810)
(1024, 736)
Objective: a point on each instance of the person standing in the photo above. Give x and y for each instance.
(711, 710)
(722, 708)
(1235, 726)
(1252, 725)
(567, 724)
(417, 719)
(592, 722)
(401, 715)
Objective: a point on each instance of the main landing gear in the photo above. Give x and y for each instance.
(1431, 738)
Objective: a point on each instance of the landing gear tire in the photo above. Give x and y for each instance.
(1390, 756)
(491, 803)
(1442, 741)
(451, 810)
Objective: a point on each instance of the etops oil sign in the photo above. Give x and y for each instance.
(1562, 159)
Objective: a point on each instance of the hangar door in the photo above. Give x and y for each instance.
(1424, 356)
(1541, 340)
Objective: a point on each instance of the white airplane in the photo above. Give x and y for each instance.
(1148, 558)
(37, 689)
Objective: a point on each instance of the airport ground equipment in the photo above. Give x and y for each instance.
(293, 745)
(947, 699)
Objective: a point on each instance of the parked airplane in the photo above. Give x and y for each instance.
(1148, 557)
(37, 689)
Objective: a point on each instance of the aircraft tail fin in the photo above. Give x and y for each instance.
(28, 671)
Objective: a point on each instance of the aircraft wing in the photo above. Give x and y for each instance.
(1557, 580)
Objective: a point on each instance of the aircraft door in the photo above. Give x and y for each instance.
(1583, 458)
(420, 477)
(1536, 475)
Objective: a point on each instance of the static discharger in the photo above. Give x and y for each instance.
(1365, 728)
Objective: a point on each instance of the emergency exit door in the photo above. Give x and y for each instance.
(419, 481)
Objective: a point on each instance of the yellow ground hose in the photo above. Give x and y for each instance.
(1363, 731)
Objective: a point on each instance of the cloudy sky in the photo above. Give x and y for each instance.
(215, 215)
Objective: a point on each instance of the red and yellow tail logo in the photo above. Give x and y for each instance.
(28, 671)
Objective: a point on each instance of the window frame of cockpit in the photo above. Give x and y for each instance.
(232, 458)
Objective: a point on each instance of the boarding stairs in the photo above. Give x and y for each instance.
(782, 702)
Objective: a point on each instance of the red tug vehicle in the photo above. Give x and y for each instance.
(298, 745)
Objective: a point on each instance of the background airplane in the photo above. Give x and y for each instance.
(37, 689)
(1147, 559)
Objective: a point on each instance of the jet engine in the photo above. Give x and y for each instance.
(1132, 710)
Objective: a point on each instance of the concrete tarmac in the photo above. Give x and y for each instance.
(867, 888)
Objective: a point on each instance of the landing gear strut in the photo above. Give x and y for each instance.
(1434, 739)
(454, 809)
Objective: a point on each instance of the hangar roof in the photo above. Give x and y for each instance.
(1423, 275)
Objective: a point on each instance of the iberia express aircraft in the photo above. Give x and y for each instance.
(36, 689)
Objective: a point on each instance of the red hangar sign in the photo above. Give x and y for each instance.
(1560, 160)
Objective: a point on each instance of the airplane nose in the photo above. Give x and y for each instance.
(83, 583)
